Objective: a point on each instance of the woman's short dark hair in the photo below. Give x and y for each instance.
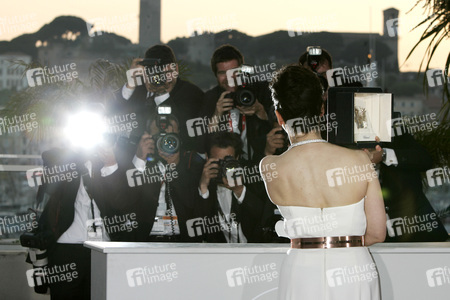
(225, 53)
(225, 139)
(296, 93)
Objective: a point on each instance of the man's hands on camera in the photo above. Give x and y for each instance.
(211, 171)
(146, 146)
(274, 141)
(224, 104)
(256, 109)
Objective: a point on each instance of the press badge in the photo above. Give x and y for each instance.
(158, 226)
(168, 223)
(95, 234)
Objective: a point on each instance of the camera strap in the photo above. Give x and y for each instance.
(169, 202)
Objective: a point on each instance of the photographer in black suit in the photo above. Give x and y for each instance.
(162, 185)
(73, 214)
(233, 207)
(250, 122)
(152, 81)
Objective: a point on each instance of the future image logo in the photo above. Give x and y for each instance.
(357, 73)
(57, 173)
(236, 177)
(392, 27)
(435, 77)
(247, 74)
(208, 225)
(326, 122)
(250, 275)
(351, 274)
(149, 275)
(152, 174)
(200, 126)
(97, 22)
(35, 77)
(353, 174)
(233, 77)
(438, 176)
(438, 276)
(52, 275)
(411, 224)
(57, 73)
(135, 77)
(412, 125)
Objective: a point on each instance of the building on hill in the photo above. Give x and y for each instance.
(11, 76)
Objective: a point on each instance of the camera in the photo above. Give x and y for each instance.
(314, 53)
(226, 165)
(35, 240)
(244, 95)
(165, 142)
(37, 255)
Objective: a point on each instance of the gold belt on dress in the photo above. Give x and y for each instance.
(328, 242)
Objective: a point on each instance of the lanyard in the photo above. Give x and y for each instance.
(229, 224)
(86, 183)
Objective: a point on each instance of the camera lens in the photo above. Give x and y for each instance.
(169, 143)
(245, 97)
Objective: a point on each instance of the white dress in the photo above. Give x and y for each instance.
(335, 273)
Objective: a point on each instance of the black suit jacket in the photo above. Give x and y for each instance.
(248, 215)
(143, 201)
(402, 191)
(59, 212)
(185, 100)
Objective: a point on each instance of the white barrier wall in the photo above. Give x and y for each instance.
(248, 271)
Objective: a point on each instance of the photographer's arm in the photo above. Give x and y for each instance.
(223, 106)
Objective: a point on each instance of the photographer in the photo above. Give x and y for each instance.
(162, 186)
(234, 207)
(318, 63)
(223, 105)
(161, 86)
(72, 215)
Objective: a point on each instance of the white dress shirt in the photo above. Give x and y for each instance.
(127, 93)
(224, 197)
(77, 232)
(161, 210)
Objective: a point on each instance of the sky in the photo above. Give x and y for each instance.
(251, 17)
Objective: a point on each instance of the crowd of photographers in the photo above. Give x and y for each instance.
(191, 174)
(189, 170)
